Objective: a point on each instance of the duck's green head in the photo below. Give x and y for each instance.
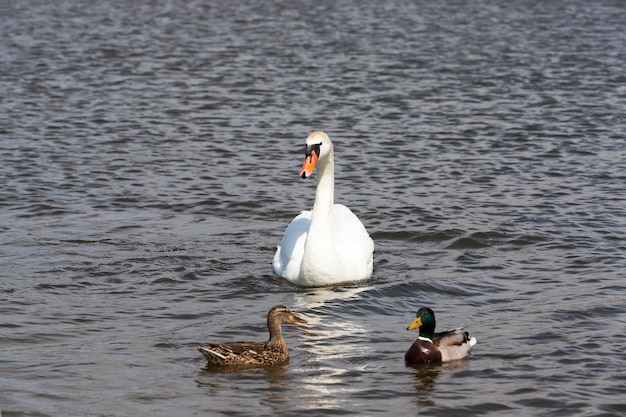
(425, 321)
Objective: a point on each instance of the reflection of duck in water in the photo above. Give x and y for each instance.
(426, 376)
(273, 352)
(431, 347)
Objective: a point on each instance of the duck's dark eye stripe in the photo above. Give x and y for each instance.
(313, 148)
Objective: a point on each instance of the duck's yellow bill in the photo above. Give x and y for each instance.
(415, 324)
(295, 319)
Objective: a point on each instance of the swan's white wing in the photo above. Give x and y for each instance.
(289, 254)
(353, 244)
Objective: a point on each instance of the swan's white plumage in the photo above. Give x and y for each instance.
(329, 244)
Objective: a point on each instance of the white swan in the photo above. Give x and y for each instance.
(329, 244)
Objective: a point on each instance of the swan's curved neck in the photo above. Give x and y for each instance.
(320, 261)
(325, 194)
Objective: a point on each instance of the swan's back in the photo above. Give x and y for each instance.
(288, 256)
(352, 243)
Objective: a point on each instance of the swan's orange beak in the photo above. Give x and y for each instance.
(309, 164)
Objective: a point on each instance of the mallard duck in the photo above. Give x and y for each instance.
(329, 244)
(431, 347)
(272, 352)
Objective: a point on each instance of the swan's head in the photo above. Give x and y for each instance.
(318, 147)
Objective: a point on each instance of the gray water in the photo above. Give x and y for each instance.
(149, 159)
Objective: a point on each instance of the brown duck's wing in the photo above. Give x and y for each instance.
(244, 353)
(454, 337)
(211, 356)
(239, 353)
(236, 348)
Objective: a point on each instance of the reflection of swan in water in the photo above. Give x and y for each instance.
(329, 336)
(318, 297)
(329, 342)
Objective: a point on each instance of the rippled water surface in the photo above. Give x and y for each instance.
(149, 159)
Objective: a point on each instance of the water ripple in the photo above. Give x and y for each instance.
(149, 165)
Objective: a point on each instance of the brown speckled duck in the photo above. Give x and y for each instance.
(273, 352)
(431, 347)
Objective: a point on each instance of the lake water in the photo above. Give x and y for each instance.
(149, 160)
